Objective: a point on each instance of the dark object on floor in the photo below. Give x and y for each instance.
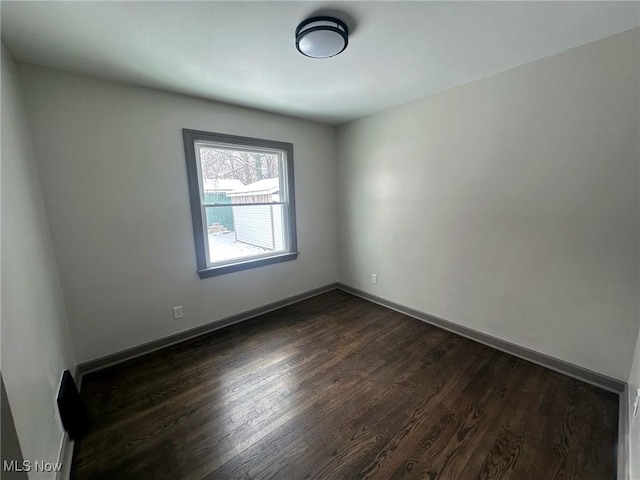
(72, 410)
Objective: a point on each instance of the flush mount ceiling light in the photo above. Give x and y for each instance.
(322, 37)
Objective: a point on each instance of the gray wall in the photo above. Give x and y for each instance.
(36, 345)
(508, 205)
(113, 174)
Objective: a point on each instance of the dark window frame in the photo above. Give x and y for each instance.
(200, 235)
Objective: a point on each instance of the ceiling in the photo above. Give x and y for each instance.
(244, 53)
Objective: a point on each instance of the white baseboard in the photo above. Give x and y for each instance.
(623, 435)
(65, 456)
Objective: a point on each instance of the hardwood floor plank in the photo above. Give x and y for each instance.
(332, 407)
(336, 387)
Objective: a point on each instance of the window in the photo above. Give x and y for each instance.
(242, 201)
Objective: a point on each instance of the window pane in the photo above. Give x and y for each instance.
(242, 231)
(239, 176)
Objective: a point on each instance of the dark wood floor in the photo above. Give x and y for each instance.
(336, 387)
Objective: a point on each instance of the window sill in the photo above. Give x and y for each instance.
(246, 265)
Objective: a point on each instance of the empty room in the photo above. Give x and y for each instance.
(320, 240)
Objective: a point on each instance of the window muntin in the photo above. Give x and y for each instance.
(241, 192)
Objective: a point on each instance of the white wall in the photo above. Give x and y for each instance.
(634, 421)
(112, 167)
(508, 205)
(36, 346)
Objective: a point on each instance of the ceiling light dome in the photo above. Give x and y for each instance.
(322, 37)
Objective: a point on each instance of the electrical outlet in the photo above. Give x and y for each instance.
(177, 312)
(636, 402)
(374, 278)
